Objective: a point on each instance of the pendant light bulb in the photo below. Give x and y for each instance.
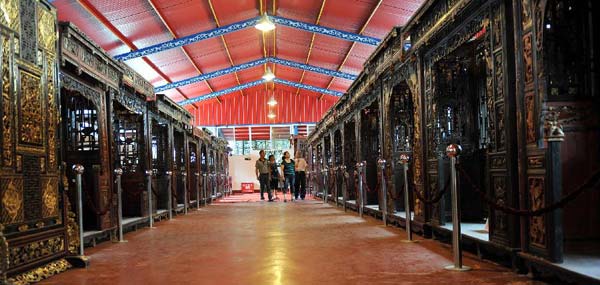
(269, 75)
(265, 24)
(272, 102)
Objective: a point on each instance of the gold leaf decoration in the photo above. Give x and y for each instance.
(50, 198)
(9, 9)
(12, 201)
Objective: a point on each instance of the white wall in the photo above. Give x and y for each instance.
(242, 170)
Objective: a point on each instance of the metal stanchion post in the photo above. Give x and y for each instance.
(185, 191)
(345, 186)
(197, 175)
(359, 202)
(453, 151)
(204, 187)
(169, 195)
(149, 190)
(381, 163)
(79, 260)
(325, 185)
(335, 187)
(118, 173)
(78, 168)
(404, 158)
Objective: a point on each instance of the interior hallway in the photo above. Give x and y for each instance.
(304, 242)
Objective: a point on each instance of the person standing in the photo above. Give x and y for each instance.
(262, 174)
(288, 171)
(274, 176)
(300, 185)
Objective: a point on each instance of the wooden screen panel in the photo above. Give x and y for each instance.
(30, 197)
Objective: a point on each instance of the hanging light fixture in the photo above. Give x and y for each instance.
(271, 115)
(272, 102)
(269, 75)
(265, 24)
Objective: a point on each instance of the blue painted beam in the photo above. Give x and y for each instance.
(312, 68)
(221, 92)
(308, 87)
(325, 31)
(255, 83)
(251, 64)
(188, 39)
(243, 25)
(210, 75)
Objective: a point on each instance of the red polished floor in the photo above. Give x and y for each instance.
(303, 242)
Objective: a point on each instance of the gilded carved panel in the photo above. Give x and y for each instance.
(537, 227)
(525, 14)
(500, 219)
(530, 117)
(31, 110)
(7, 109)
(46, 30)
(10, 11)
(12, 200)
(35, 250)
(50, 197)
(528, 58)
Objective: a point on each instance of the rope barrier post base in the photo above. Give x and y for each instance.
(381, 162)
(453, 152)
(404, 158)
(118, 173)
(149, 191)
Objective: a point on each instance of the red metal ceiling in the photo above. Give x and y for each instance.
(119, 26)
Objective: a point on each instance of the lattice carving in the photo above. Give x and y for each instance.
(525, 14)
(28, 39)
